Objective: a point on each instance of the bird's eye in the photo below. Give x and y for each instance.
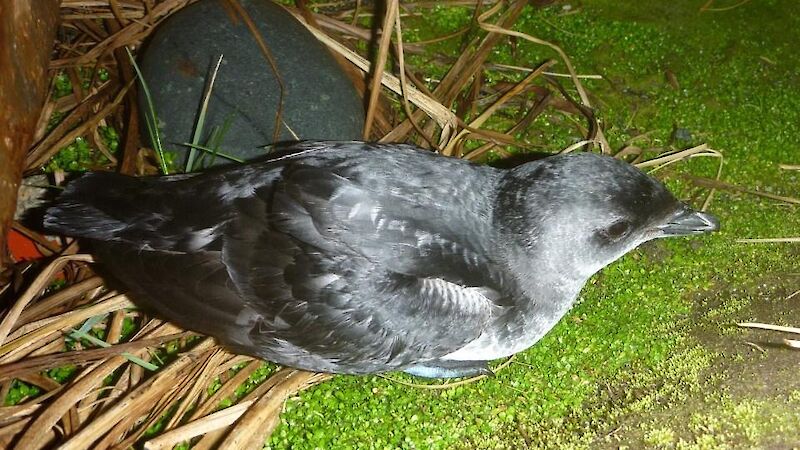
(617, 230)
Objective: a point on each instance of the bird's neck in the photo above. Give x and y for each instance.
(541, 267)
(538, 277)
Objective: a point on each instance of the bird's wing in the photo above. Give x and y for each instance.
(348, 274)
(193, 290)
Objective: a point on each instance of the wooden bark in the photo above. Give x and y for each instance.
(27, 31)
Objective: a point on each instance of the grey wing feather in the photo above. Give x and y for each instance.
(191, 289)
(317, 251)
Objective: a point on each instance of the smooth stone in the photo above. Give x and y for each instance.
(320, 102)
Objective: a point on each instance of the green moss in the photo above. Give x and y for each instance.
(255, 379)
(662, 437)
(727, 423)
(172, 161)
(62, 374)
(56, 285)
(129, 327)
(19, 392)
(80, 156)
(62, 84)
(159, 425)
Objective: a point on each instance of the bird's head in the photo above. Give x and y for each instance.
(574, 214)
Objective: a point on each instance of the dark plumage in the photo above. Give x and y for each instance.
(356, 258)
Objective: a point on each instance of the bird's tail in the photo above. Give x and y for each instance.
(95, 206)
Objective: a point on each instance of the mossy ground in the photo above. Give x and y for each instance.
(650, 357)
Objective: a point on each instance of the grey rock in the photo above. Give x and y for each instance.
(319, 101)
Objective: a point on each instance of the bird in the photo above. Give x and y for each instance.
(360, 258)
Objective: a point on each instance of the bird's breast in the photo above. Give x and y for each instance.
(519, 326)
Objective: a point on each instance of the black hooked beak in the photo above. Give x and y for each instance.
(687, 221)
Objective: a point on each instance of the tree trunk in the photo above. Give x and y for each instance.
(27, 31)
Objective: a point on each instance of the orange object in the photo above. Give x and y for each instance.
(22, 248)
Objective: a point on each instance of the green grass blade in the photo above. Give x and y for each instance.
(215, 140)
(91, 322)
(151, 119)
(214, 152)
(201, 119)
(78, 334)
